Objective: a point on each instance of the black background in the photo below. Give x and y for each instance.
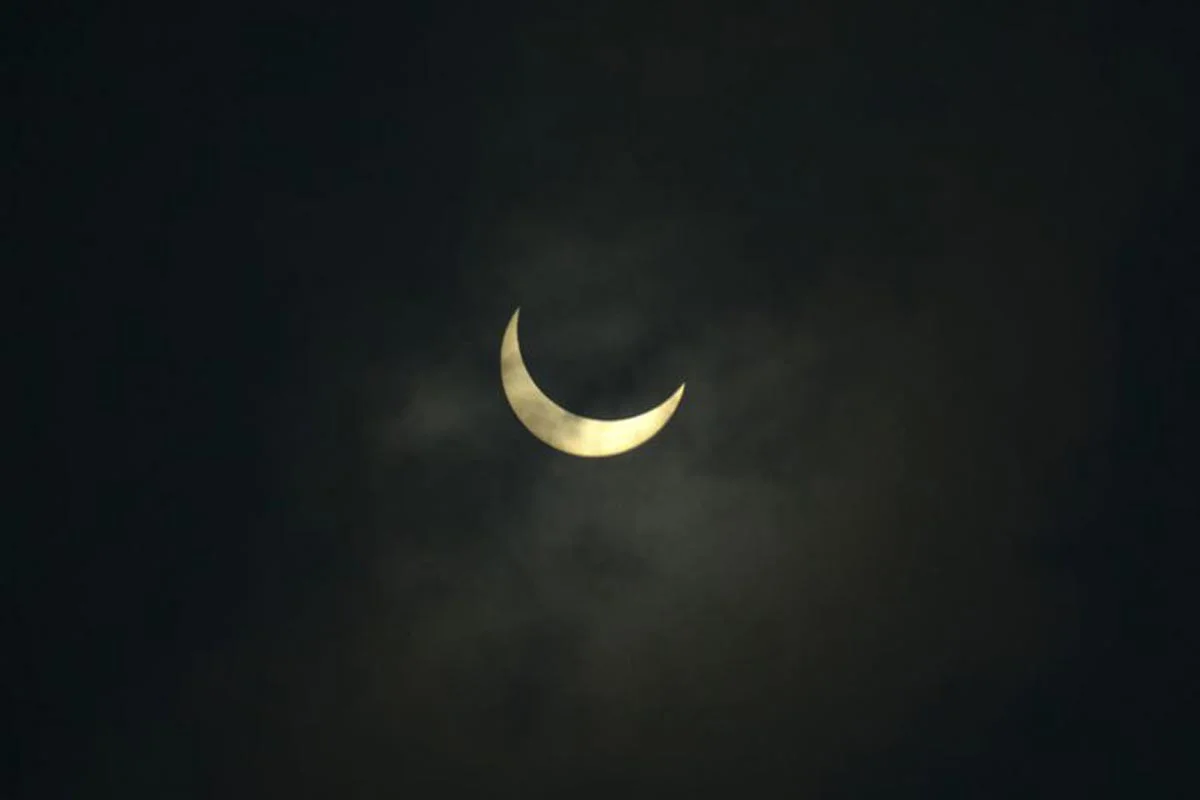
(220, 224)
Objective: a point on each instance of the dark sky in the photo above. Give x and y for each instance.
(910, 534)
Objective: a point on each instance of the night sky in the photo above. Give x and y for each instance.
(911, 533)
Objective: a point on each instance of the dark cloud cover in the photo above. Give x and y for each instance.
(307, 548)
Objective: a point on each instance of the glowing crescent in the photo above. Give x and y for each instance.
(559, 428)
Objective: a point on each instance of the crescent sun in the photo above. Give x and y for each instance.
(562, 430)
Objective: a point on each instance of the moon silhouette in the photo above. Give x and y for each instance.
(562, 430)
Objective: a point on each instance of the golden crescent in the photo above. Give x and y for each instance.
(562, 430)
